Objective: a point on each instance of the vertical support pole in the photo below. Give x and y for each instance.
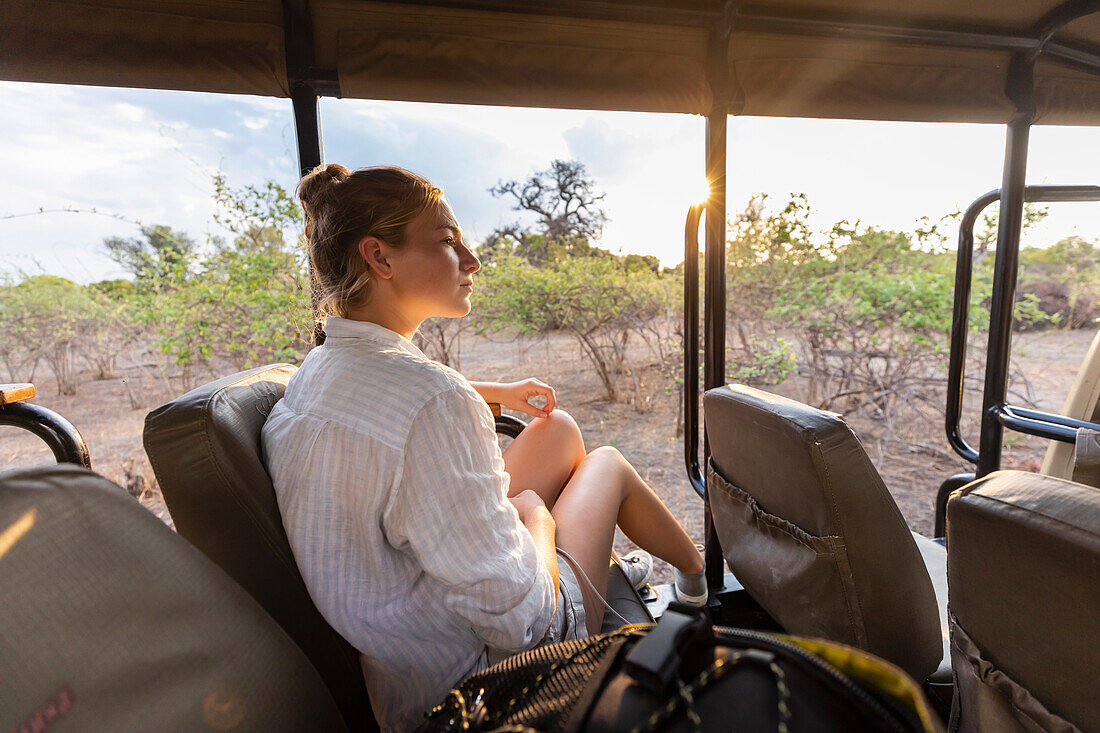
(714, 259)
(714, 304)
(311, 153)
(1009, 227)
(307, 127)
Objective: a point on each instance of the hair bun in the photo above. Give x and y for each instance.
(316, 186)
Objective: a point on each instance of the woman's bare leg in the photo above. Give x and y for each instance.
(544, 456)
(605, 490)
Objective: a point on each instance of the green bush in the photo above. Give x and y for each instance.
(246, 300)
(600, 302)
(46, 318)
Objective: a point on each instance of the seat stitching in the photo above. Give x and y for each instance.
(857, 624)
(1029, 510)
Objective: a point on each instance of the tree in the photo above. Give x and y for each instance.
(764, 253)
(160, 252)
(596, 301)
(1064, 280)
(49, 316)
(441, 339)
(247, 299)
(569, 212)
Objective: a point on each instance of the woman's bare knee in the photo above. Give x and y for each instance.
(606, 455)
(562, 422)
(560, 427)
(545, 456)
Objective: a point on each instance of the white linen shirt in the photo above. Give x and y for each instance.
(392, 489)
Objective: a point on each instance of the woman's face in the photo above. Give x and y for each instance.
(434, 269)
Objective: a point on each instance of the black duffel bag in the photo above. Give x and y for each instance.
(684, 675)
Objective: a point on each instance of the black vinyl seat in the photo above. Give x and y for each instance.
(808, 527)
(205, 450)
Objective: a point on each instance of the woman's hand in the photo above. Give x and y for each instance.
(526, 502)
(518, 395)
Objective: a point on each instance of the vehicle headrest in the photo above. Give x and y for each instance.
(792, 452)
(809, 528)
(205, 451)
(111, 621)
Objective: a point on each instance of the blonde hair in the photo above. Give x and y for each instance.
(341, 208)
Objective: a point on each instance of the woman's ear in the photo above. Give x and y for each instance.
(373, 252)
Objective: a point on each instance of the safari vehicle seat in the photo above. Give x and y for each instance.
(109, 621)
(205, 451)
(808, 527)
(1024, 573)
(1064, 460)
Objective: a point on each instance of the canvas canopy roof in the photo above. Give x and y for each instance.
(936, 60)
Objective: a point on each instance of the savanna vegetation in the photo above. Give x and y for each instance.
(852, 318)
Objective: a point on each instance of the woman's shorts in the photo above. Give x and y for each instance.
(569, 621)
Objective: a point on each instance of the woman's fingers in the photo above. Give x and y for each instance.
(538, 388)
(530, 389)
(526, 407)
(551, 399)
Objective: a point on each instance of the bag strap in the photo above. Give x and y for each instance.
(654, 660)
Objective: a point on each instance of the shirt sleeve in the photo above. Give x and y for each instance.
(451, 513)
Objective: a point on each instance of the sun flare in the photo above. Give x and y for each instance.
(700, 191)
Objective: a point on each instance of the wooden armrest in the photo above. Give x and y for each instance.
(494, 407)
(10, 393)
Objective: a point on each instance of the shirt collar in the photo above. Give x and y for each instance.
(346, 328)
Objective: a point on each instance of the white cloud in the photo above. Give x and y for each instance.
(80, 148)
(128, 112)
(149, 156)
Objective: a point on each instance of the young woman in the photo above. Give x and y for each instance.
(428, 549)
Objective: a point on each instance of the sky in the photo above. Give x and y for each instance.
(149, 156)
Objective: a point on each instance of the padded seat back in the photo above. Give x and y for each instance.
(810, 530)
(1024, 575)
(1082, 403)
(109, 621)
(205, 451)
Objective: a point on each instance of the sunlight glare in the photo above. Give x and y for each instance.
(700, 191)
(12, 534)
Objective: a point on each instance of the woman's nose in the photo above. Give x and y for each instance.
(469, 262)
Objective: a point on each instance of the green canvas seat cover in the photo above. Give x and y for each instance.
(1024, 573)
(809, 528)
(109, 621)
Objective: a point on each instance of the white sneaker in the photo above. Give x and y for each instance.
(637, 566)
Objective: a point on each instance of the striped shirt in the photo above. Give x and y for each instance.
(392, 489)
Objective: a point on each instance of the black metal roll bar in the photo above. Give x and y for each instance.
(691, 351)
(996, 414)
(508, 425)
(1032, 422)
(956, 368)
(59, 434)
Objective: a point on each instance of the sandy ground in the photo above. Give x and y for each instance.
(912, 467)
